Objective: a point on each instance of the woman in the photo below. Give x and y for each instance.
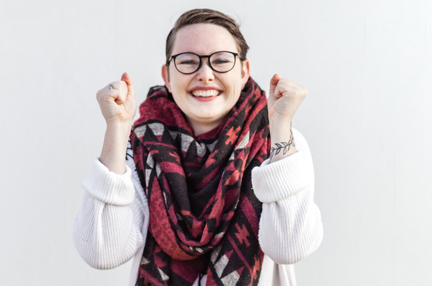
(195, 202)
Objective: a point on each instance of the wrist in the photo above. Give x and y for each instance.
(282, 142)
(119, 127)
(114, 148)
(280, 130)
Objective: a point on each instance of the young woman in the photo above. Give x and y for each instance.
(203, 197)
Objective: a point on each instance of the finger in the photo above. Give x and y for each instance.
(113, 92)
(109, 91)
(123, 92)
(112, 85)
(273, 83)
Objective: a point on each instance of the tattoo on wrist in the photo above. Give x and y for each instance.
(285, 146)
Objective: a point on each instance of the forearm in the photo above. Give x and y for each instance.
(290, 224)
(291, 228)
(282, 142)
(105, 235)
(108, 225)
(114, 146)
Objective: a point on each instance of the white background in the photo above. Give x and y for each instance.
(366, 64)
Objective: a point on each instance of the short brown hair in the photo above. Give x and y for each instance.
(207, 16)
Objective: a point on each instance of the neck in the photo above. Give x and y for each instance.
(203, 127)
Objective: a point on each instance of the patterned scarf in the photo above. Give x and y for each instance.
(203, 212)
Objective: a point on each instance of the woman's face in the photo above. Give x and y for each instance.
(219, 91)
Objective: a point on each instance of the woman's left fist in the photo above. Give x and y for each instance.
(285, 97)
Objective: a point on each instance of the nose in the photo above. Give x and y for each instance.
(205, 73)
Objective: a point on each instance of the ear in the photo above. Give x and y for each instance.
(245, 72)
(165, 76)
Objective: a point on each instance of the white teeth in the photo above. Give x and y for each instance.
(205, 93)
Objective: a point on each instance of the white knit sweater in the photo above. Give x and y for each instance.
(111, 225)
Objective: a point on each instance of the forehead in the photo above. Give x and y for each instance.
(203, 39)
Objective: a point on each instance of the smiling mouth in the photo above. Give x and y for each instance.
(205, 93)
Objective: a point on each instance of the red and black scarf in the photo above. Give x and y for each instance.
(203, 212)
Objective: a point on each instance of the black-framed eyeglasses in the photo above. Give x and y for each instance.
(188, 63)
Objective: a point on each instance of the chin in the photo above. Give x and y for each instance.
(208, 118)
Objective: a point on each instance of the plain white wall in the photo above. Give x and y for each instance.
(368, 69)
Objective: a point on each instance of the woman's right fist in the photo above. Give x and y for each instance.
(117, 101)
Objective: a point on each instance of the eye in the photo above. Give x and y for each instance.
(187, 62)
(220, 61)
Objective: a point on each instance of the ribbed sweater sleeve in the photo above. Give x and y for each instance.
(112, 223)
(107, 227)
(290, 224)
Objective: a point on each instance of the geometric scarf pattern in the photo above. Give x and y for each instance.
(203, 212)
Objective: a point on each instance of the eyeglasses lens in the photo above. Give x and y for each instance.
(189, 63)
(222, 61)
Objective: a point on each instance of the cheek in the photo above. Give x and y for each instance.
(237, 88)
(235, 94)
(179, 81)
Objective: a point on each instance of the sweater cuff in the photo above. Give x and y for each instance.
(281, 179)
(109, 187)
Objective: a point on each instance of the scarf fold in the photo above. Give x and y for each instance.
(203, 212)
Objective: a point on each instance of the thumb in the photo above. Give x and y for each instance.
(125, 77)
(273, 83)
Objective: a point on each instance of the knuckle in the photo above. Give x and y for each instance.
(305, 91)
(99, 94)
(114, 84)
(283, 82)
